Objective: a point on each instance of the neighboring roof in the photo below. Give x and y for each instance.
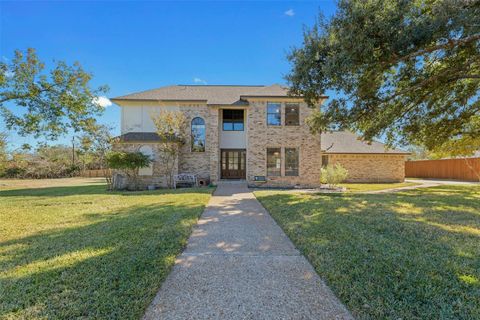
(348, 142)
(139, 136)
(212, 94)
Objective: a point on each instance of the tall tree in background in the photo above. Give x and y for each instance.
(97, 143)
(3, 151)
(407, 70)
(49, 102)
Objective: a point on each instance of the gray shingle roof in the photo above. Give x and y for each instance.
(348, 142)
(212, 94)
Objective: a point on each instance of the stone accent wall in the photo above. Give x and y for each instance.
(260, 137)
(159, 176)
(371, 167)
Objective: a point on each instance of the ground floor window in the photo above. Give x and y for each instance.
(291, 161)
(274, 162)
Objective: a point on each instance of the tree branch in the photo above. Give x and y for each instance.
(449, 44)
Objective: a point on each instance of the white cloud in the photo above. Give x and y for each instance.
(9, 74)
(198, 80)
(289, 13)
(102, 101)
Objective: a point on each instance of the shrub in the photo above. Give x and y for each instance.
(333, 175)
(129, 163)
(13, 172)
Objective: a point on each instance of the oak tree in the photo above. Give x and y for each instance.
(40, 102)
(405, 70)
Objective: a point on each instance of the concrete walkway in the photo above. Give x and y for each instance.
(427, 183)
(239, 264)
(439, 182)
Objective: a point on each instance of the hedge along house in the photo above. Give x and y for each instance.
(252, 133)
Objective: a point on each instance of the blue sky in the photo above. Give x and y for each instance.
(134, 46)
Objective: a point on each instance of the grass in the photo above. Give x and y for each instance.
(408, 255)
(8, 184)
(365, 187)
(80, 252)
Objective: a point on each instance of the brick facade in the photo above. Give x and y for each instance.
(259, 137)
(371, 167)
(262, 136)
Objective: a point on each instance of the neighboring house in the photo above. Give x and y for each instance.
(256, 133)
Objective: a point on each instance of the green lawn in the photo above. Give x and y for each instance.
(365, 187)
(81, 252)
(408, 255)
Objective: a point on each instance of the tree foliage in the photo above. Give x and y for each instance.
(170, 126)
(3, 151)
(171, 129)
(43, 162)
(50, 102)
(129, 163)
(407, 70)
(94, 146)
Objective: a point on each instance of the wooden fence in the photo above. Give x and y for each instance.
(457, 169)
(94, 173)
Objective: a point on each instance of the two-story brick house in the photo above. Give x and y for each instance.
(256, 133)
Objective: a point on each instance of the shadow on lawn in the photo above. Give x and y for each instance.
(85, 190)
(410, 255)
(110, 268)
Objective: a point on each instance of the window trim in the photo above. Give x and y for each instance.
(279, 113)
(287, 105)
(298, 162)
(204, 138)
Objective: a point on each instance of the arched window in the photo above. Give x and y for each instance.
(198, 135)
(148, 151)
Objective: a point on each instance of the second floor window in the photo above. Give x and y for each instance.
(273, 114)
(292, 114)
(198, 135)
(233, 120)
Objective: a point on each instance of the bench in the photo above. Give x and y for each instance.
(184, 179)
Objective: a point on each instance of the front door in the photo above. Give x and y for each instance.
(233, 164)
